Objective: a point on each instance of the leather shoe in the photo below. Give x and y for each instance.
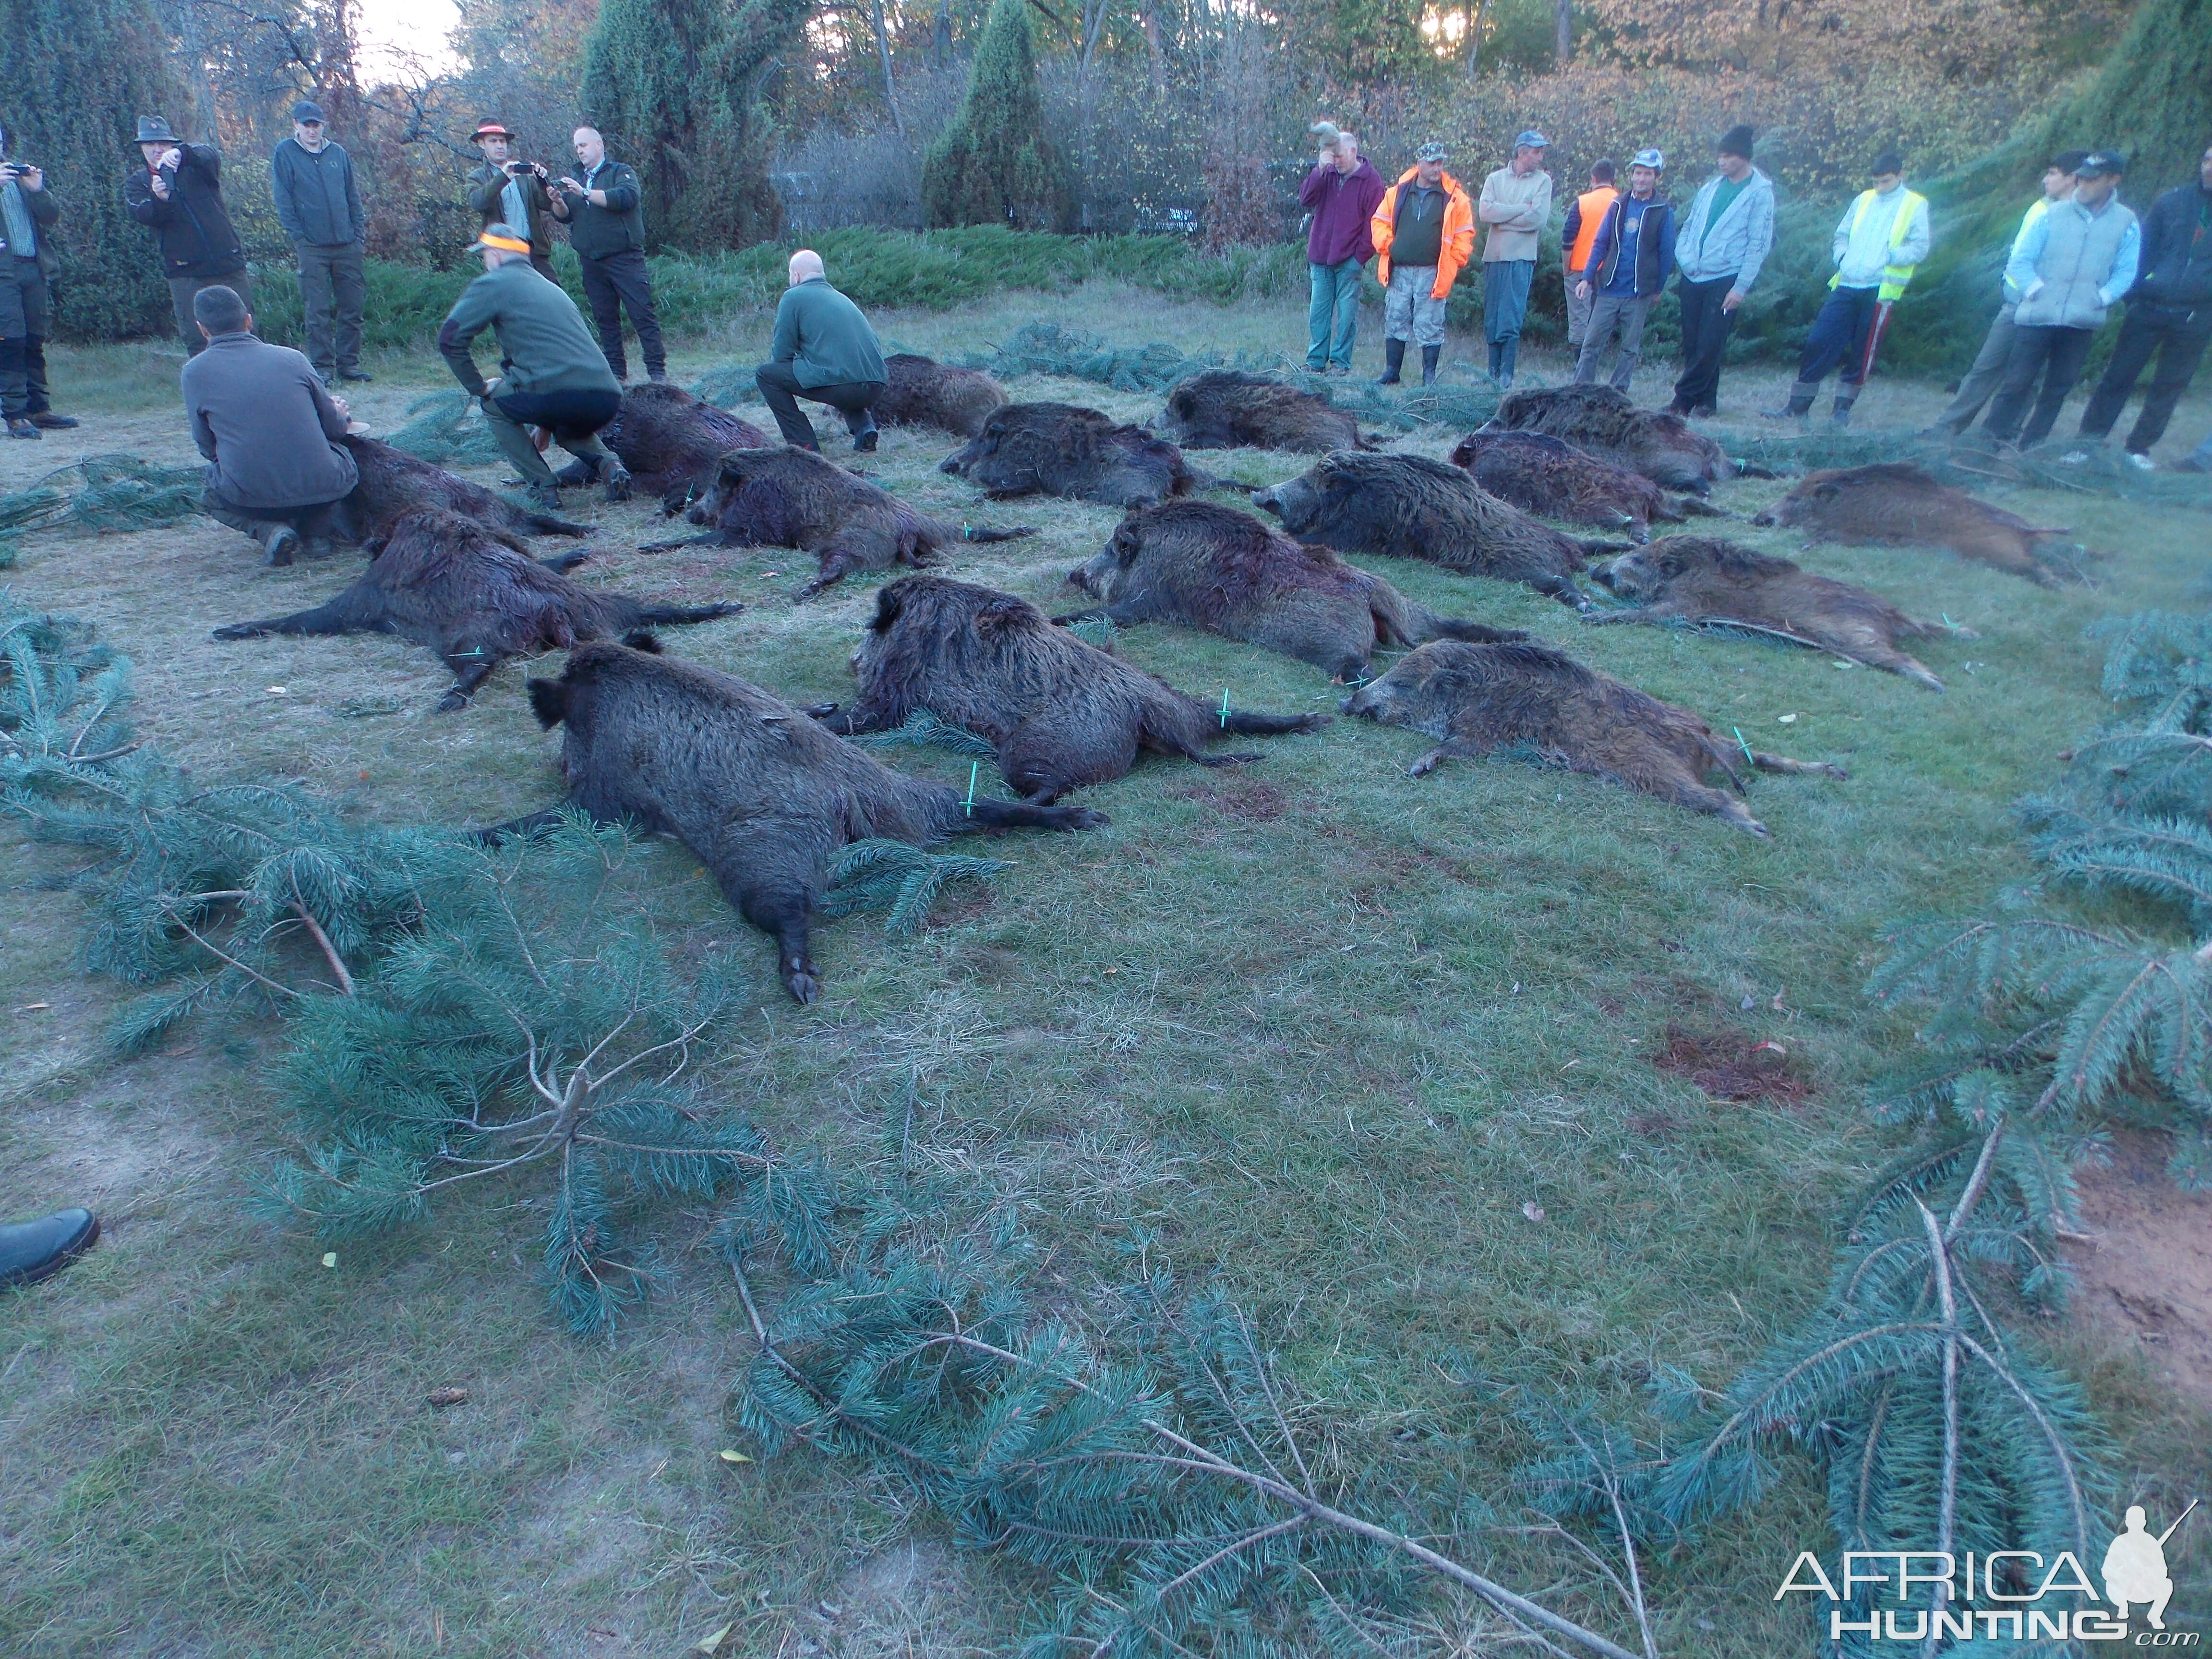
(47, 421)
(32, 1250)
(281, 544)
(18, 426)
(360, 374)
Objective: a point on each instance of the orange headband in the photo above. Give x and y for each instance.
(506, 242)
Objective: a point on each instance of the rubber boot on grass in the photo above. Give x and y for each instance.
(1429, 358)
(1841, 415)
(1799, 405)
(1393, 359)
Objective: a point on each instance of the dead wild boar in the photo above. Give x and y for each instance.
(1064, 714)
(1549, 478)
(1058, 449)
(1702, 579)
(1656, 443)
(1409, 506)
(1228, 409)
(760, 794)
(1896, 503)
(785, 497)
(921, 392)
(394, 483)
(1477, 699)
(474, 598)
(1210, 566)
(670, 442)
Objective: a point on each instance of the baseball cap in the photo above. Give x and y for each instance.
(1647, 158)
(505, 237)
(1432, 153)
(1532, 139)
(2100, 164)
(307, 110)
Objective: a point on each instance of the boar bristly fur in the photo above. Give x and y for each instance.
(394, 483)
(1061, 449)
(921, 392)
(1896, 503)
(1231, 409)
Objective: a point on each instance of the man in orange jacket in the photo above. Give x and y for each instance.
(1584, 215)
(1423, 233)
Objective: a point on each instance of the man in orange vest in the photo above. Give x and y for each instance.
(1423, 232)
(1577, 238)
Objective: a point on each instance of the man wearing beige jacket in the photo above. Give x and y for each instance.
(1516, 205)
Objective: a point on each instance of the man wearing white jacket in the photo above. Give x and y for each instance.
(1721, 245)
(1882, 236)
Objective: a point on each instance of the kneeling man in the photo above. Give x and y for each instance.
(825, 352)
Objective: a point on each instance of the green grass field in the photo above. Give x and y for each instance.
(1313, 1031)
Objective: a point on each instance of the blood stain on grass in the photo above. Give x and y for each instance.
(1731, 1066)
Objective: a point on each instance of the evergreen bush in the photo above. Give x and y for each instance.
(993, 164)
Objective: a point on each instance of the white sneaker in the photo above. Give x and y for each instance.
(2074, 457)
(2142, 463)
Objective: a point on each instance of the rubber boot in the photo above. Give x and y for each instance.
(1800, 404)
(1841, 415)
(1393, 359)
(1429, 357)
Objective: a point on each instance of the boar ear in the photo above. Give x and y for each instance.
(890, 602)
(548, 700)
(1001, 615)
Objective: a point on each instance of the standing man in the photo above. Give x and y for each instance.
(179, 194)
(1989, 366)
(1517, 205)
(1423, 233)
(319, 204)
(825, 352)
(606, 227)
(1584, 214)
(1882, 236)
(1724, 241)
(270, 429)
(27, 213)
(1629, 262)
(551, 373)
(2070, 266)
(2169, 311)
(1341, 193)
(507, 192)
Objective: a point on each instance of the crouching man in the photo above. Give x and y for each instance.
(825, 352)
(551, 372)
(269, 430)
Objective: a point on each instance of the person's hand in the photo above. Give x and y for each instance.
(160, 183)
(344, 409)
(32, 178)
(1581, 289)
(1735, 297)
(491, 389)
(571, 186)
(2034, 289)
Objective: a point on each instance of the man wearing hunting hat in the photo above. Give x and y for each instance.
(178, 195)
(1423, 232)
(507, 192)
(552, 373)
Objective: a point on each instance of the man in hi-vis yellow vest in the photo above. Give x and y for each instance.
(1881, 237)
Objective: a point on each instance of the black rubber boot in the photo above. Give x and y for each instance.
(1393, 359)
(1841, 415)
(1800, 404)
(32, 1250)
(1429, 358)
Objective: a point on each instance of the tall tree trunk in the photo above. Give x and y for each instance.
(1148, 14)
(1478, 16)
(940, 36)
(1563, 27)
(883, 53)
(196, 71)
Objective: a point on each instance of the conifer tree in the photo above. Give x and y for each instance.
(78, 73)
(675, 86)
(993, 165)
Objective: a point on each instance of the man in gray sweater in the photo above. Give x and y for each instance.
(825, 352)
(319, 204)
(269, 430)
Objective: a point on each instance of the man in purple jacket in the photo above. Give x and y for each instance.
(1341, 192)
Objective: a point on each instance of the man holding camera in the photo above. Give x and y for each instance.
(26, 259)
(606, 227)
(319, 204)
(179, 196)
(507, 192)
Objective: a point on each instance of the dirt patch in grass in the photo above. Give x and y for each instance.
(1254, 802)
(1731, 1065)
(2146, 1278)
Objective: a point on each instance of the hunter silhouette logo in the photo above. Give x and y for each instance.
(1933, 1596)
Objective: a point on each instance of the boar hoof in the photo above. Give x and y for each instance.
(453, 701)
(801, 981)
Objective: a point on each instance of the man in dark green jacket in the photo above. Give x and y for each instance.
(551, 373)
(27, 213)
(825, 352)
(319, 203)
(606, 227)
(507, 192)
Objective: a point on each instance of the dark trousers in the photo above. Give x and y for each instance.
(331, 279)
(183, 290)
(2180, 338)
(543, 264)
(314, 521)
(610, 283)
(23, 323)
(1705, 331)
(2057, 354)
(1839, 337)
(780, 386)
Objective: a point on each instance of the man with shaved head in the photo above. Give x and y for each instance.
(606, 227)
(825, 352)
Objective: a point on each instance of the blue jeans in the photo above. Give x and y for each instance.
(1504, 305)
(1334, 319)
(1839, 337)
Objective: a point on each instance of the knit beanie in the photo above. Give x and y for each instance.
(1736, 141)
